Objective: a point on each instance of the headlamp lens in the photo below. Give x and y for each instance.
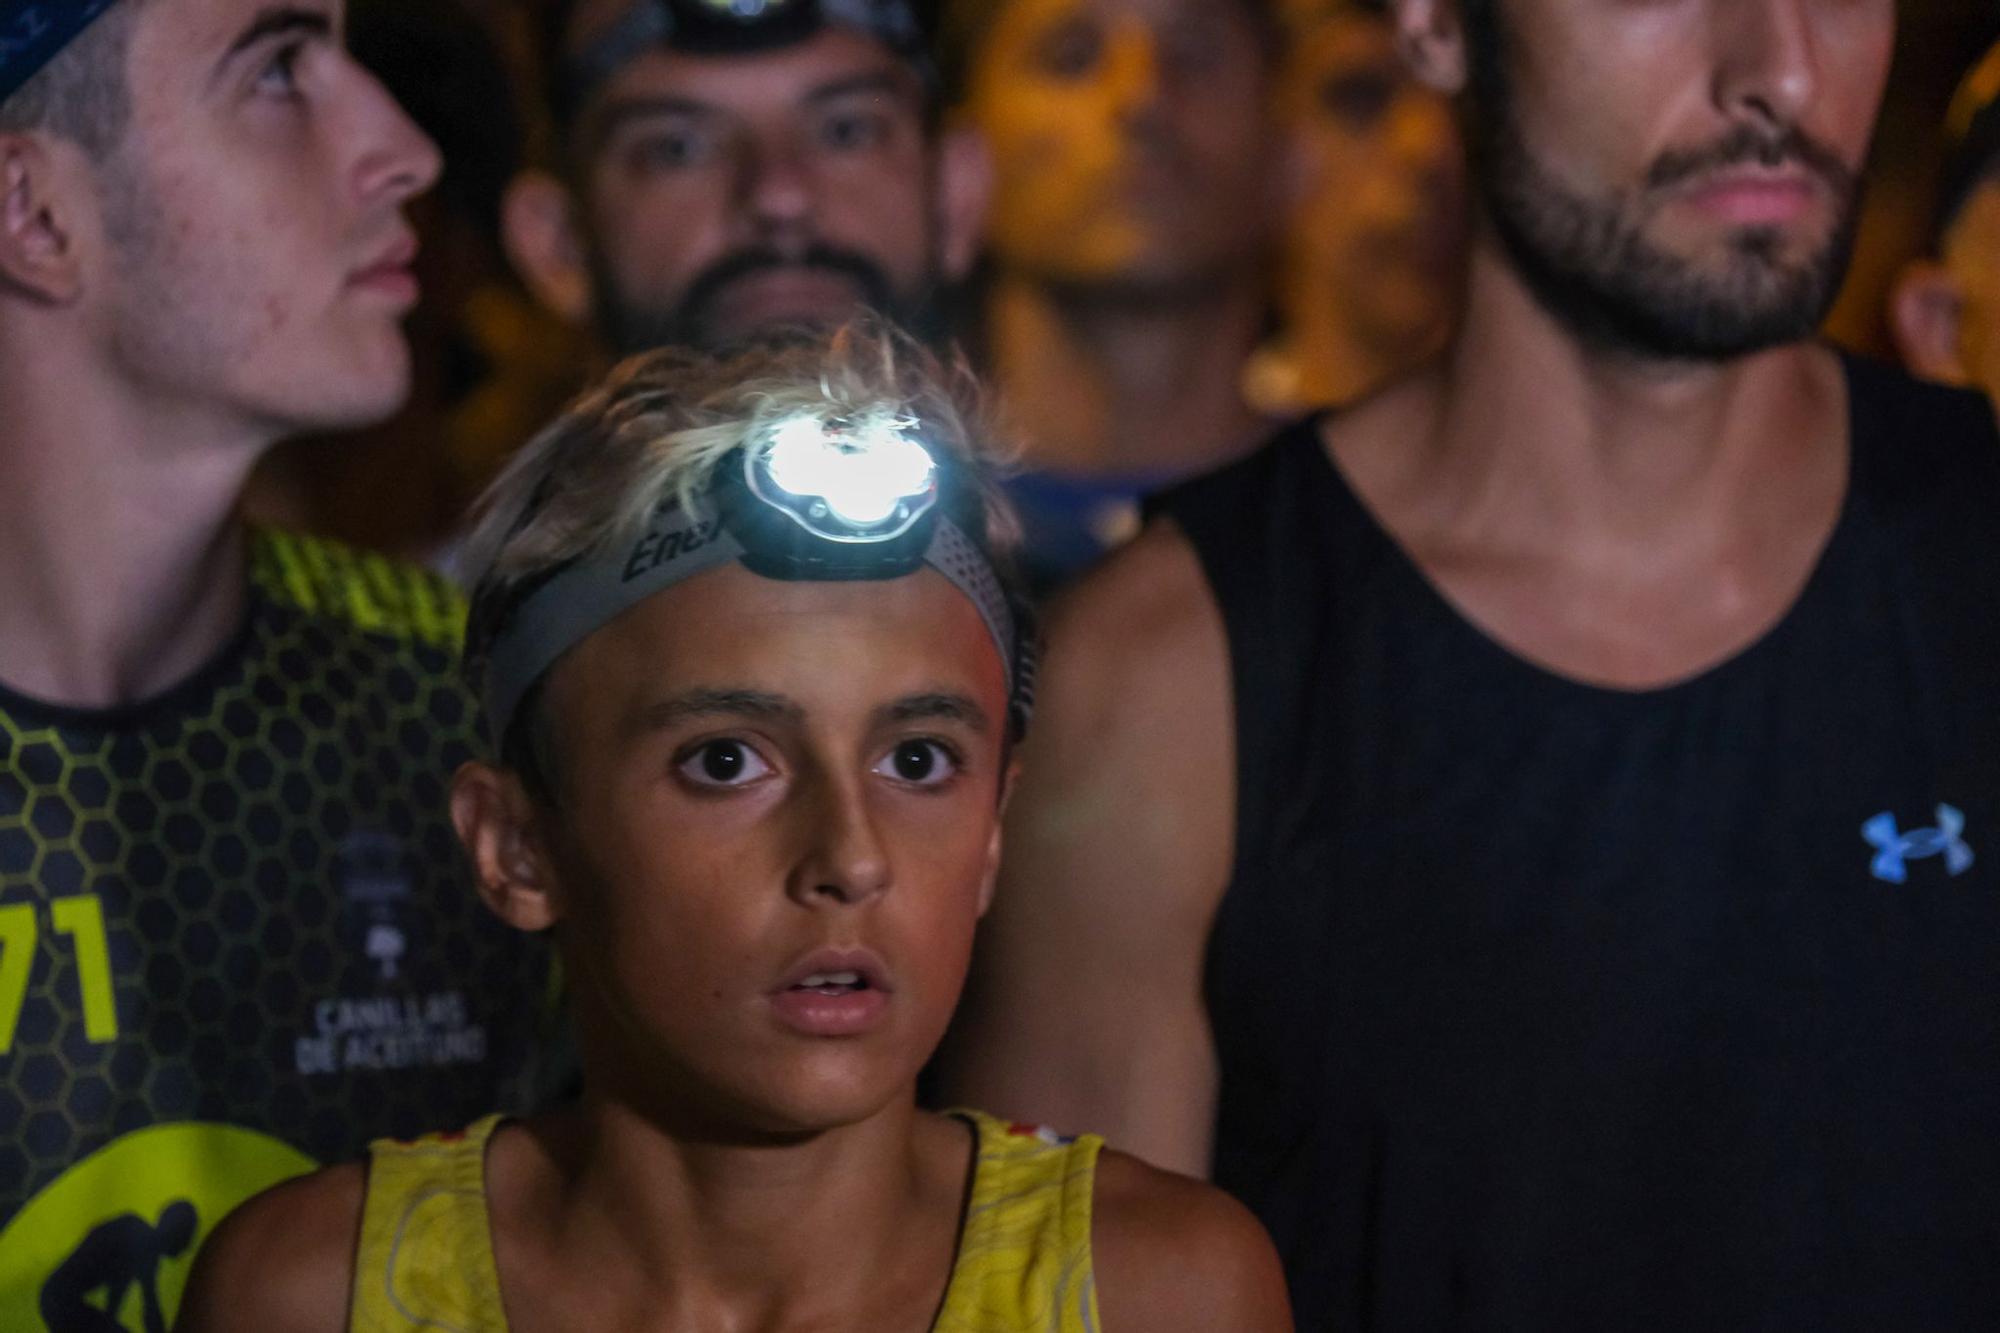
(865, 485)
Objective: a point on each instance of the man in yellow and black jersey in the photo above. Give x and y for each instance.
(234, 940)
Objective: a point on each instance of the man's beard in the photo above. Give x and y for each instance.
(629, 326)
(1588, 262)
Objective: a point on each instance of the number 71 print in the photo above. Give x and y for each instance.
(81, 917)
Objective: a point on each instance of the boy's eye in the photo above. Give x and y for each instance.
(922, 763)
(723, 764)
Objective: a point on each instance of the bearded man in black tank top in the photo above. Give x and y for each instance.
(1533, 836)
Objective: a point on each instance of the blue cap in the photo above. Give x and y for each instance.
(34, 32)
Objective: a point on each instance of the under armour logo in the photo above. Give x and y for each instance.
(1893, 849)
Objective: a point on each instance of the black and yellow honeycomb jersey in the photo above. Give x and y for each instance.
(236, 939)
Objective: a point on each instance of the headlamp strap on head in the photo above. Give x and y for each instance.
(681, 543)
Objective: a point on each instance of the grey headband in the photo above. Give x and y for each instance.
(680, 544)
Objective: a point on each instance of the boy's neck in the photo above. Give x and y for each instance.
(602, 1213)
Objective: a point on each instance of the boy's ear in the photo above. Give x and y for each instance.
(1926, 314)
(1430, 35)
(39, 226)
(544, 240)
(501, 829)
(1008, 781)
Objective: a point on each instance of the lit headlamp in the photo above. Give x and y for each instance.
(826, 500)
(810, 500)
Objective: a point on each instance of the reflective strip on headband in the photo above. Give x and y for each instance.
(585, 597)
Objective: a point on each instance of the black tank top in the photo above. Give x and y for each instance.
(1544, 1006)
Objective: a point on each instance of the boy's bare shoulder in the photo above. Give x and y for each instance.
(1172, 1253)
(284, 1261)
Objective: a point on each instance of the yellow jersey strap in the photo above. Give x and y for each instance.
(425, 1262)
(374, 593)
(1024, 1261)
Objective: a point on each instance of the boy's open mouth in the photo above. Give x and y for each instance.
(834, 992)
(833, 983)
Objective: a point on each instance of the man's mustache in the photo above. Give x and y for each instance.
(1749, 146)
(709, 286)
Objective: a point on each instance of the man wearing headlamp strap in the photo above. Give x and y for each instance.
(748, 634)
(721, 171)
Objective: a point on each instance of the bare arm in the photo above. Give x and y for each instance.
(281, 1263)
(1172, 1254)
(1085, 1010)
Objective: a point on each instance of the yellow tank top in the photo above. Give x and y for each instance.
(425, 1260)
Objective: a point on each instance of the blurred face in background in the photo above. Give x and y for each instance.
(1945, 309)
(718, 197)
(1374, 238)
(1972, 257)
(1131, 139)
(1946, 312)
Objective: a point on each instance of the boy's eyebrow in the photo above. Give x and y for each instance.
(939, 705)
(718, 703)
(280, 20)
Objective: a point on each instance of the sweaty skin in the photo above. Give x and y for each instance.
(1617, 517)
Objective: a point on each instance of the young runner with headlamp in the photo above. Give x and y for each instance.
(747, 633)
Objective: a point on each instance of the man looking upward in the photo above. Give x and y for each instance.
(1530, 836)
(232, 939)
